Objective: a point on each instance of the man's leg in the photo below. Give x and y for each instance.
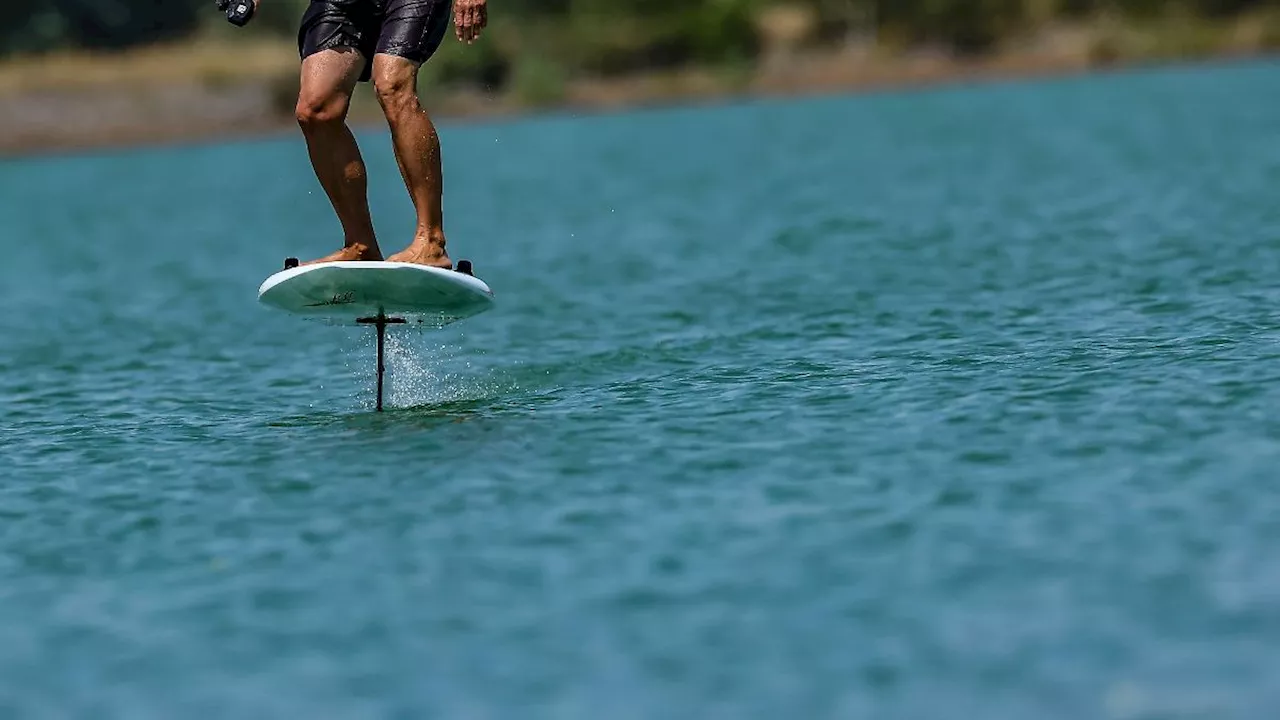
(328, 79)
(417, 151)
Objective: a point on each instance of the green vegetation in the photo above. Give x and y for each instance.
(535, 47)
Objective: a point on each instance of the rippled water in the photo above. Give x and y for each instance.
(921, 404)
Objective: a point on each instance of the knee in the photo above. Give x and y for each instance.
(319, 111)
(397, 93)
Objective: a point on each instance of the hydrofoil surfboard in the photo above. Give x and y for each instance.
(377, 293)
(344, 292)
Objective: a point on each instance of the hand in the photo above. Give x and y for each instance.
(469, 18)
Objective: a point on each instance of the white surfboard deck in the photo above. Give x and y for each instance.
(344, 292)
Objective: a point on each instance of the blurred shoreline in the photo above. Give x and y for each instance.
(72, 102)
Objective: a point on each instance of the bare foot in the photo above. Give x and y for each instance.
(424, 252)
(350, 253)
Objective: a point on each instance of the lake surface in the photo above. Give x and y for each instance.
(957, 403)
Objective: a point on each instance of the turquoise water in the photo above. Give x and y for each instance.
(957, 403)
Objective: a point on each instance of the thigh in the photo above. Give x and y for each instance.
(413, 29)
(340, 24)
(329, 78)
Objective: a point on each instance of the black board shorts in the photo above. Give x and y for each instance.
(411, 29)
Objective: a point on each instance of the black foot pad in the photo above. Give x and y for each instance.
(464, 267)
(290, 263)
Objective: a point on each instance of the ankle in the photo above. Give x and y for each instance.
(430, 238)
(361, 247)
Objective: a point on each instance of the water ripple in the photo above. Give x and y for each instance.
(912, 405)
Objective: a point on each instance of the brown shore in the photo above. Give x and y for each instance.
(191, 93)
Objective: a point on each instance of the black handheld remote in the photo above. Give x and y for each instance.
(239, 12)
